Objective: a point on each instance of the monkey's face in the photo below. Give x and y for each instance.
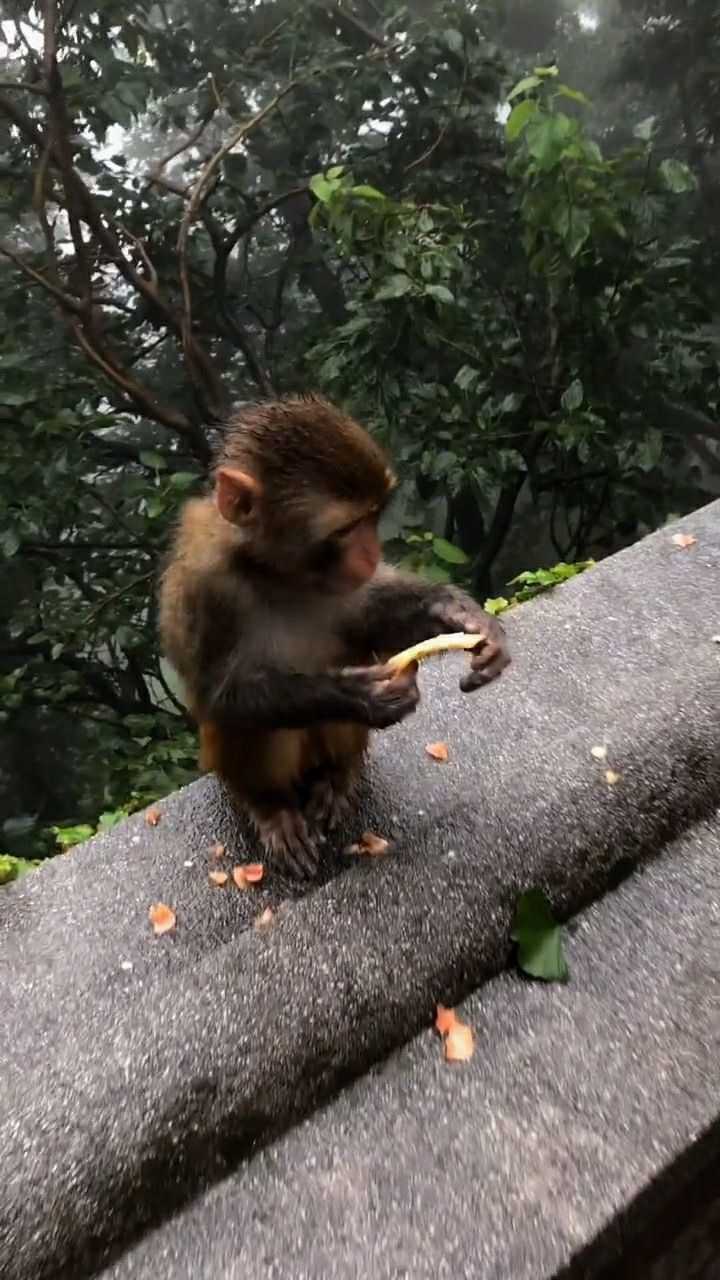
(332, 550)
(344, 559)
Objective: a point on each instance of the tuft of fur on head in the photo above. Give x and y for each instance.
(301, 446)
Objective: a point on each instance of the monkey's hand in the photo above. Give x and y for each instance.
(458, 612)
(382, 697)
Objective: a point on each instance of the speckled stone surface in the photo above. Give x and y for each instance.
(135, 1070)
(577, 1097)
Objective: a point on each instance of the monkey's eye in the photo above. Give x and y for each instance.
(346, 529)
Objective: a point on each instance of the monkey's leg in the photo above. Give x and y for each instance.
(339, 754)
(261, 771)
(331, 796)
(284, 832)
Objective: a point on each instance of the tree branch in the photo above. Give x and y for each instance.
(24, 85)
(66, 300)
(199, 195)
(497, 533)
(200, 363)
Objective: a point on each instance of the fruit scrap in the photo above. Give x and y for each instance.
(599, 753)
(458, 1037)
(431, 648)
(247, 874)
(684, 540)
(218, 877)
(438, 751)
(445, 1019)
(152, 817)
(611, 777)
(162, 918)
(370, 846)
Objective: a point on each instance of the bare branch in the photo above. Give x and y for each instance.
(428, 152)
(199, 195)
(185, 145)
(23, 84)
(199, 361)
(155, 180)
(246, 224)
(117, 595)
(140, 395)
(66, 300)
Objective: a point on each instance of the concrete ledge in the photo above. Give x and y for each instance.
(125, 1091)
(562, 1150)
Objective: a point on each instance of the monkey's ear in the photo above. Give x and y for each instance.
(236, 495)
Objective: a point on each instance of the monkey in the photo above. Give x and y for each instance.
(279, 614)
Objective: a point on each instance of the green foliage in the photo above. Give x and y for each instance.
(433, 557)
(525, 314)
(538, 938)
(67, 837)
(12, 868)
(536, 582)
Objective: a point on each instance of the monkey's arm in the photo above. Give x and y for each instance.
(270, 698)
(396, 610)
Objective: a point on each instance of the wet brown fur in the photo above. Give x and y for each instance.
(310, 458)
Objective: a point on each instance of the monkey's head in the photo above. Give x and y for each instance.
(305, 485)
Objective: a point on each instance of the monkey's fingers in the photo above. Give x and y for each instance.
(290, 845)
(329, 803)
(488, 661)
(395, 700)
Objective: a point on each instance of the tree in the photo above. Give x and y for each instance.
(203, 204)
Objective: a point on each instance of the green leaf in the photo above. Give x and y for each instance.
(539, 938)
(150, 458)
(578, 232)
(182, 479)
(645, 129)
(465, 377)
(322, 189)
(66, 837)
(368, 193)
(496, 604)
(524, 86)
(394, 287)
(110, 819)
(56, 650)
(12, 868)
(72, 77)
(546, 72)
(15, 398)
(336, 171)
(564, 91)
(573, 397)
(112, 105)
(510, 403)
(519, 117)
(548, 137)
(440, 292)
(677, 176)
(445, 550)
(9, 543)
(434, 573)
(453, 40)
(155, 507)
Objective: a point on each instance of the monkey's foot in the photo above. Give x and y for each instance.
(286, 837)
(330, 802)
